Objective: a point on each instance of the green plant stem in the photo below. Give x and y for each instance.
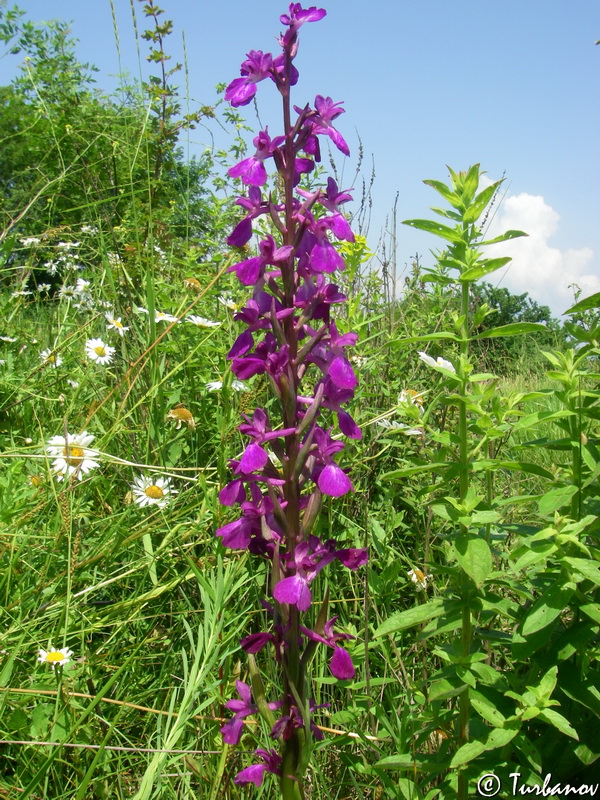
(466, 628)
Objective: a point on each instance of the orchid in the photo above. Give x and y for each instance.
(290, 464)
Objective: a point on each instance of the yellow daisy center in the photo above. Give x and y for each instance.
(54, 656)
(51, 358)
(419, 575)
(154, 492)
(100, 351)
(117, 324)
(73, 455)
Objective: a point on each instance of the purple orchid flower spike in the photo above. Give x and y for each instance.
(289, 463)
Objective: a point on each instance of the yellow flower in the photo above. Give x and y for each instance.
(418, 578)
(193, 284)
(56, 658)
(182, 415)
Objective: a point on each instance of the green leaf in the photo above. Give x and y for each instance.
(474, 556)
(555, 499)
(446, 192)
(467, 753)
(559, 722)
(513, 329)
(430, 226)
(589, 570)
(414, 761)
(517, 466)
(411, 617)
(486, 709)
(483, 268)
(593, 301)
(429, 337)
(548, 607)
(403, 472)
(591, 610)
(478, 205)
(504, 237)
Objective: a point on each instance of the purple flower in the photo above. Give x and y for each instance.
(341, 665)
(251, 270)
(326, 112)
(256, 68)
(252, 170)
(232, 730)
(271, 762)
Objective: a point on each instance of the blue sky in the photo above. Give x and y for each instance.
(511, 85)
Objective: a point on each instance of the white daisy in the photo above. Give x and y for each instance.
(228, 302)
(149, 491)
(201, 322)
(21, 293)
(116, 324)
(44, 287)
(51, 358)
(392, 425)
(30, 241)
(98, 351)
(51, 267)
(56, 658)
(67, 293)
(74, 384)
(418, 578)
(82, 286)
(237, 386)
(161, 316)
(72, 456)
(437, 363)
(89, 229)
(67, 245)
(7, 339)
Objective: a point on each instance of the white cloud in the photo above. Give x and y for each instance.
(544, 271)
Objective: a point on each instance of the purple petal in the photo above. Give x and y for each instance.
(341, 665)
(254, 459)
(232, 731)
(341, 373)
(325, 258)
(235, 535)
(241, 234)
(252, 774)
(232, 493)
(255, 642)
(334, 482)
(242, 344)
(348, 426)
(240, 92)
(294, 591)
(353, 557)
(251, 170)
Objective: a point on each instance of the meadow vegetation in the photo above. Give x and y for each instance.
(475, 622)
